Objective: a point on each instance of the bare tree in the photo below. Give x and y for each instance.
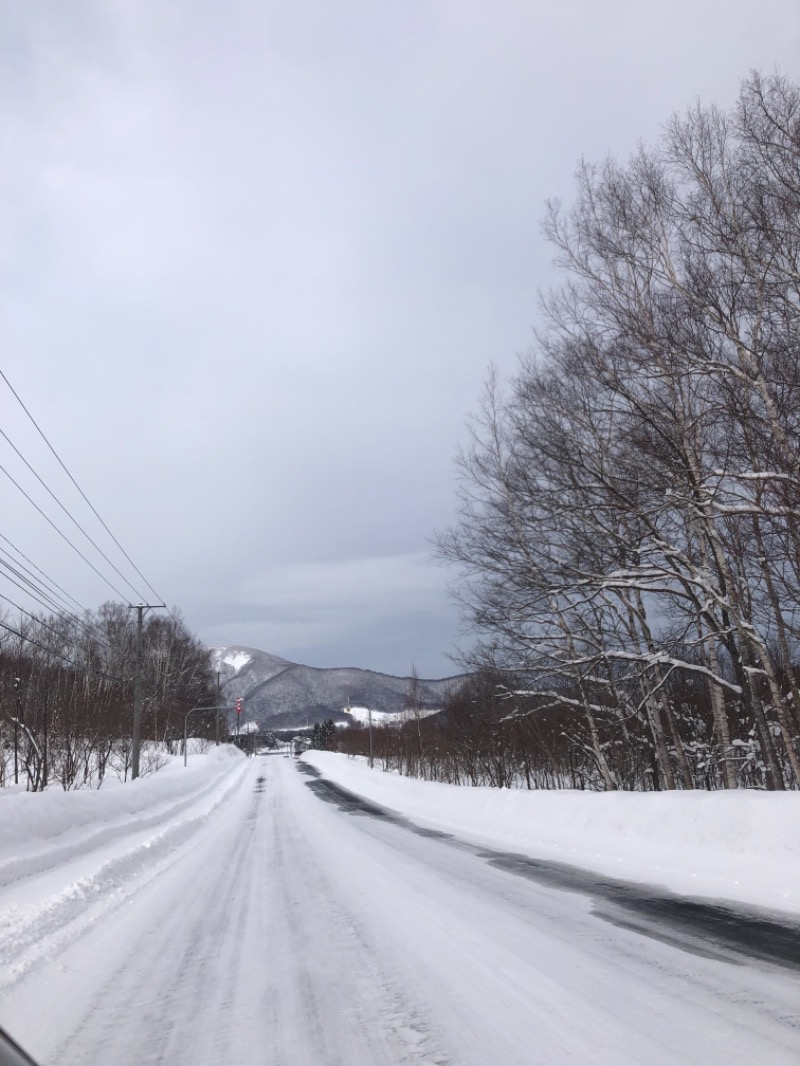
(629, 510)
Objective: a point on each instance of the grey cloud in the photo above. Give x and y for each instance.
(256, 257)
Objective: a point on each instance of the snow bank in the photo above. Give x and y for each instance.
(38, 828)
(739, 845)
(67, 859)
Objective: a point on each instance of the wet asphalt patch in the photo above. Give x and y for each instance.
(725, 932)
(353, 804)
(711, 930)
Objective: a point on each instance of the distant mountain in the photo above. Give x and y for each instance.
(279, 694)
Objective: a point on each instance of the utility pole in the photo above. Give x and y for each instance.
(16, 686)
(219, 701)
(44, 751)
(136, 739)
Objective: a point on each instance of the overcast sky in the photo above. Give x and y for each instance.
(256, 257)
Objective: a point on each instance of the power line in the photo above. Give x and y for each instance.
(69, 514)
(77, 486)
(62, 534)
(35, 584)
(48, 581)
(48, 592)
(44, 647)
(41, 597)
(47, 596)
(41, 621)
(31, 590)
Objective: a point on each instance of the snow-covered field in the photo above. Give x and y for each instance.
(742, 846)
(245, 911)
(386, 718)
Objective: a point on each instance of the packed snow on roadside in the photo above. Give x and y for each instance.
(742, 846)
(40, 829)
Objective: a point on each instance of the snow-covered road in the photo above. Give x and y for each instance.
(272, 921)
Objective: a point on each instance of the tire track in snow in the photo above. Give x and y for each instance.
(240, 952)
(151, 1015)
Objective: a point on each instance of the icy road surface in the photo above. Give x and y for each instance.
(281, 921)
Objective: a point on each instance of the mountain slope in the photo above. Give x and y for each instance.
(281, 694)
(242, 669)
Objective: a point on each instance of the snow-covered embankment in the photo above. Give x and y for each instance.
(742, 846)
(68, 857)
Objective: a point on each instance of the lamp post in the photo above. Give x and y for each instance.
(193, 710)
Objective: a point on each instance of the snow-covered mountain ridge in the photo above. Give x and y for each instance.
(282, 694)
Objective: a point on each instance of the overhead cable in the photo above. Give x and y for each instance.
(42, 598)
(69, 515)
(61, 533)
(44, 647)
(40, 621)
(77, 486)
(46, 579)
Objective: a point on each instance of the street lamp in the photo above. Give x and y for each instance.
(194, 710)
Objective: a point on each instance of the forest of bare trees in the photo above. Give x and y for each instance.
(66, 695)
(628, 543)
